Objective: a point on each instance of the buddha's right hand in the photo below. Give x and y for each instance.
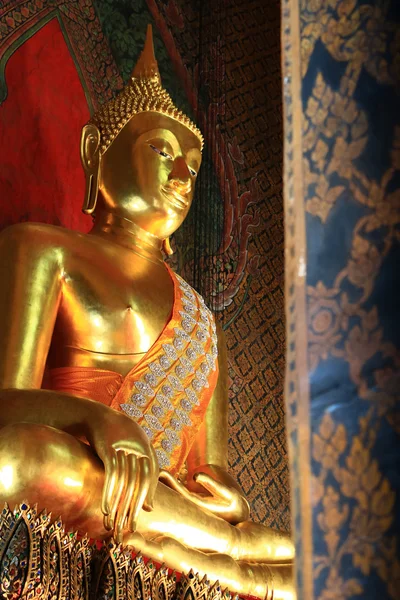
(131, 468)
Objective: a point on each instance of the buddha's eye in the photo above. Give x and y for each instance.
(192, 172)
(160, 152)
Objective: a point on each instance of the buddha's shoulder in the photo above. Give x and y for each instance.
(41, 236)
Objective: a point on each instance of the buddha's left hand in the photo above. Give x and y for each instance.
(222, 499)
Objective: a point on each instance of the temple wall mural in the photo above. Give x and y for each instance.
(59, 61)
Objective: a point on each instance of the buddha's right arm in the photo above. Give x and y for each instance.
(31, 280)
(32, 267)
(43, 407)
(130, 463)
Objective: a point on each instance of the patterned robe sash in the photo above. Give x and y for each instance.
(168, 391)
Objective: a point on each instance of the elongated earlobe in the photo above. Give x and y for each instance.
(90, 157)
(92, 188)
(166, 246)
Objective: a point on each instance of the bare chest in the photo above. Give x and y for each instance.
(111, 310)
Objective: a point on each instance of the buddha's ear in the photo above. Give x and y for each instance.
(90, 157)
(167, 248)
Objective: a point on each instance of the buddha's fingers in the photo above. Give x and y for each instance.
(132, 482)
(152, 469)
(237, 508)
(215, 488)
(170, 481)
(140, 492)
(121, 482)
(200, 501)
(111, 471)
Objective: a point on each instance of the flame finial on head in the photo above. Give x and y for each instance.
(144, 92)
(147, 66)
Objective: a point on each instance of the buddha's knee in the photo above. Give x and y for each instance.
(42, 464)
(54, 470)
(23, 449)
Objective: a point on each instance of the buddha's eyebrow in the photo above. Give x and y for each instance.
(166, 135)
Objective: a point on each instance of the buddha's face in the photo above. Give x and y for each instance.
(148, 173)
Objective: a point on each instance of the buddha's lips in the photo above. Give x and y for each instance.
(175, 197)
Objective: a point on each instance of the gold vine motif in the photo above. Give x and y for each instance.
(39, 560)
(352, 495)
(338, 326)
(359, 33)
(353, 499)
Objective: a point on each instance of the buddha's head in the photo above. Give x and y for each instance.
(141, 155)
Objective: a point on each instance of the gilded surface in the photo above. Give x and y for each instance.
(345, 107)
(227, 75)
(104, 304)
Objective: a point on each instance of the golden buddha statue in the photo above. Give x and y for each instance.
(130, 437)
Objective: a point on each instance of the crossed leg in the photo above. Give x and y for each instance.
(63, 475)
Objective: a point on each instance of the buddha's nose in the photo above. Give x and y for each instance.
(180, 176)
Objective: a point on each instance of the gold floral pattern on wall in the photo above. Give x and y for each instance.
(342, 208)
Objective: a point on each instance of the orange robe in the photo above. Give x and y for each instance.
(168, 391)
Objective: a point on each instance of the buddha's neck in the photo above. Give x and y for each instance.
(128, 235)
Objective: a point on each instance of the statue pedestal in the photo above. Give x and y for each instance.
(38, 559)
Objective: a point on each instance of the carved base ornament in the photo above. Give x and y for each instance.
(38, 559)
